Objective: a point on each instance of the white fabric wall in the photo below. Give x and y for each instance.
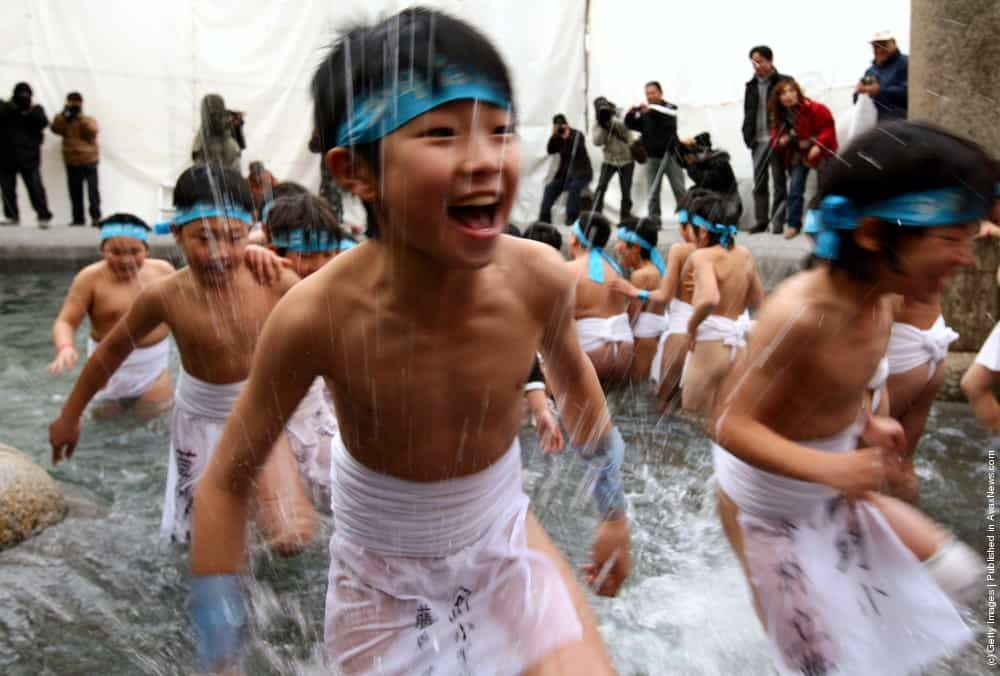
(143, 66)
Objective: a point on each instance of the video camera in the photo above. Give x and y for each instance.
(604, 110)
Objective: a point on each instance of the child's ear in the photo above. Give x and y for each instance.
(868, 234)
(178, 234)
(351, 173)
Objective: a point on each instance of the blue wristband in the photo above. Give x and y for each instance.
(644, 296)
(604, 459)
(217, 617)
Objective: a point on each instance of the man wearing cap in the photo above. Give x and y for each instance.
(886, 80)
(573, 174)
(21, 132)
(80, 153)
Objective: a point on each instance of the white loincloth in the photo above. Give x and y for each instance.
(137, 373)
(196, 424)
(649, 325)
(437, 577)
(878, 381)
(596, 332)
(839, 591)
(732, 333)
(310, 431)
(989, 353)
(677, 316)
(910, 347)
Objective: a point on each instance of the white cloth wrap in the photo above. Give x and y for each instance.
(989, 353)
(137, 373)
(840, 593)
(649, 325)
(596, 332)
(196, 424)
(437, 577)
(732, 332)
(878, 380)
(680, 314)
(310, 431)
(910, 347)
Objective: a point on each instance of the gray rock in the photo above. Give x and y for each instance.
(30, 500)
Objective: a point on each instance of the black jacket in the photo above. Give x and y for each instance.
(21, 134)
(713, 171)
(659, 131)
(751, 99)
(573, 156)
(893, 80)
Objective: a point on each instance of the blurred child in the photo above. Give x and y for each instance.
(637, 251)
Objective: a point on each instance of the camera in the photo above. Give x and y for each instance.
(867, 80)
(604, 110)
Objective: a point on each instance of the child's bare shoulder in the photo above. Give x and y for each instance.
(791, 311)
(534, 264)
(90, 274)
(646, 278)
(160, 266)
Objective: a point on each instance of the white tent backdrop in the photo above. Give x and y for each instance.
(143, 66)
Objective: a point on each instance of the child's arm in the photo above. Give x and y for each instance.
(646, 280)
(756, 292)
(74, 309)
(265, 265)
(977, 384)
(146, 313)
(706, 291)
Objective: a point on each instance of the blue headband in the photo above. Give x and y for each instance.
(382, 112)
(201, 211)
(728, 232)
(347, 243)
(295, 239)
(626, 235)
(683, 216)
(814, 222)
(595, 269)
(930, 208)
(113, 229)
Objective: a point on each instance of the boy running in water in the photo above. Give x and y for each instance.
(425, 334)
(215, 310)
(104, 292)
(846, 580)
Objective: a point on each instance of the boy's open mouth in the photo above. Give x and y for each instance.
(477, 213)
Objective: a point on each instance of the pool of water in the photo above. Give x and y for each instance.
(99, 594)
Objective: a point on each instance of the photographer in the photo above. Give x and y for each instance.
(573, 174)
(22, 125)
(610, 133)
(656, 120)
(709, 167)
(80, 153)
(887, 79)
(219, 138)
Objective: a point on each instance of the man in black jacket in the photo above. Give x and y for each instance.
(757, 136)
(573, 174)
(21, 131)
(656, 120)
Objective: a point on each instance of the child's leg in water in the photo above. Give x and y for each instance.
(911, 396)
(157, 399)
(282, 509)
(674, 351)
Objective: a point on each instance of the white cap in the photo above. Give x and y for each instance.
(883, 36)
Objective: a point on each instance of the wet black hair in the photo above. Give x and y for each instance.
(545, 233)
(596, 228)
(649, 229)
(716, 208)
(416, 42)
(212, 184)
(304, 210)
(288, 189)
(763, 50)
(894, 159)
(123, 217)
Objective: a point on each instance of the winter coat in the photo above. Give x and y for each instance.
(751, 102)
(79, 138)
(713, 171)
(573, 158)
(21, 135)
(659, 130)
(814, 122)
(615, 141)
(893, 86)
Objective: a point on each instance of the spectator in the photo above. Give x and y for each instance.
(218, 138)
(757, 136)
(616, 140)
(573, 174)
(709, 168)
(656, 120)
(886, 80)
(803, 135)
(262, 182)
(80, 153)
(21, 132)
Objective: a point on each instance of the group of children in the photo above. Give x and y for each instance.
(422, 340)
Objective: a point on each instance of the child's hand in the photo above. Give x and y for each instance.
(885, 433)
(549, 435)
(63, 435)
(856, 473)
(65, 360)
(611, 556)
(620, 285)
(265, 264)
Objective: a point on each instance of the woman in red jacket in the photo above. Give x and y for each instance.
(802, 131)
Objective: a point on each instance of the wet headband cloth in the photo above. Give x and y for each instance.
(595, 267)
(297, 240)
(626, 235)
(930, 208)
(202, 211)
(376, 114)
(683, 217)
(113, 229)
(727, 232)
